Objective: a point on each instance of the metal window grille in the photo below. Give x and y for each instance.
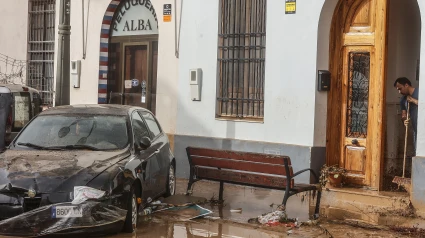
(41, 47)
(241, 59)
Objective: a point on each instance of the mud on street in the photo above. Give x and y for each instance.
(241, 205)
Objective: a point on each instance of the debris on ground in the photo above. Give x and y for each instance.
(184, 213)
(412, 231)
(214, 202)
(181, 208)
(239, 210)
(276, 218)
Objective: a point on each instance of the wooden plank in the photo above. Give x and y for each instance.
(357, 159)
(239, 155)
(333, 135)
(240, 165)
(362, 16)
(361, 141)
(241, 177)
(359, 39)
(379, 89)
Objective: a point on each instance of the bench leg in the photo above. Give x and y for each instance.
(189, 186)
(220, 195)
(285, 198)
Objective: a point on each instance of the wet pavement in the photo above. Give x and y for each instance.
(242, 204)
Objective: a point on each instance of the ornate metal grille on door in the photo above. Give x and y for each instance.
(358, 94)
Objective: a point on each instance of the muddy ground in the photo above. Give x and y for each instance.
(242, 205)
(236, 218)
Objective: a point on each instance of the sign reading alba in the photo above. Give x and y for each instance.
(135, 17)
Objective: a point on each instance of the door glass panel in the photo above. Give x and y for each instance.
(135, 75)
(358, 94)
(115, 85)
(152, 124)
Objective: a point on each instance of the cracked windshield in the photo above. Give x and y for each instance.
(56, 131)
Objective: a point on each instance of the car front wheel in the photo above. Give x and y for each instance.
(171, 182)
(130, 224)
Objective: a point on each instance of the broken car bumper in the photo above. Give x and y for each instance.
(64, 218)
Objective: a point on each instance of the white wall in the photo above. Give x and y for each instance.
(290, 84)
(323, 38)
(13, 32)
(404, 42)
(421, 114)
(167, 62)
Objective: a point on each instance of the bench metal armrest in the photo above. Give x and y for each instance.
(302, 171)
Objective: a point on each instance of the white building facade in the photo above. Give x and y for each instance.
(261, 68)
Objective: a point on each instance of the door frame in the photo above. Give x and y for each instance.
(344, 34)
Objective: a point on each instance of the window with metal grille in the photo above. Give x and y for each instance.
(241, 59)
(41, 47)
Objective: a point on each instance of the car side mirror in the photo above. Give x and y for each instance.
(144, 143)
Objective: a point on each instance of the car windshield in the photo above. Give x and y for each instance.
(96, 132)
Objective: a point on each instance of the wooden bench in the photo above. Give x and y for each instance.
(246, 168)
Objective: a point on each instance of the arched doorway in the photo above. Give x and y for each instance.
(372, 42)
(129, 54)
(356, 99)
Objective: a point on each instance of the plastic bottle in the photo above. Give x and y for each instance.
(146, 211)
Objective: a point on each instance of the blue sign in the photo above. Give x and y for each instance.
(134, 82)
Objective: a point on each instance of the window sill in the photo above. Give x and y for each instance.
(248, 120)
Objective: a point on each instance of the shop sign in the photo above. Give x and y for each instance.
(290, 6)
(167, 13)
(135, 17)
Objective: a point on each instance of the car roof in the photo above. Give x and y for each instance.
(17, 87)
(92, 109)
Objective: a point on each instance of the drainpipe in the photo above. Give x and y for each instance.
(177, 39)
(62, 96)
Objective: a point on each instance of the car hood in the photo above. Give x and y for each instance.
(53, 171)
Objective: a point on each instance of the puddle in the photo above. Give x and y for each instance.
(199, 228)
(240, 205)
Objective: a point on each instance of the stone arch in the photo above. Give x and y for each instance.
(105, 34)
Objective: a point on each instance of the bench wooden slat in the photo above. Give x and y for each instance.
(241, 177)
(241, 165)
(247, 156)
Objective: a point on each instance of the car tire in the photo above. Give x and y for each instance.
(130, 223)
(171, 181)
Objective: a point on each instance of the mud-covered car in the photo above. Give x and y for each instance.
(68, 153)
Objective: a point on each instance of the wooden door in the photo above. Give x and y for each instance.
(357, 94)
(136, 83)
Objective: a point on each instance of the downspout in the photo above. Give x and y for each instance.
(177, 39)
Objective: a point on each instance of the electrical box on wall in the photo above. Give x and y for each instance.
(75, 71)
(324, 80)
(195, 84)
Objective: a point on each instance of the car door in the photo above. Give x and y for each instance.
(147, 157)
(159, 142)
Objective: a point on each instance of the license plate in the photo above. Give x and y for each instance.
(66, 211)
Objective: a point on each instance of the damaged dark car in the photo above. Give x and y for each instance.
(84, 168)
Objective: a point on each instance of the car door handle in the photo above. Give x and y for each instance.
(157, 151)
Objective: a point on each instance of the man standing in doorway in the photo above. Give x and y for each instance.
(410, 95)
